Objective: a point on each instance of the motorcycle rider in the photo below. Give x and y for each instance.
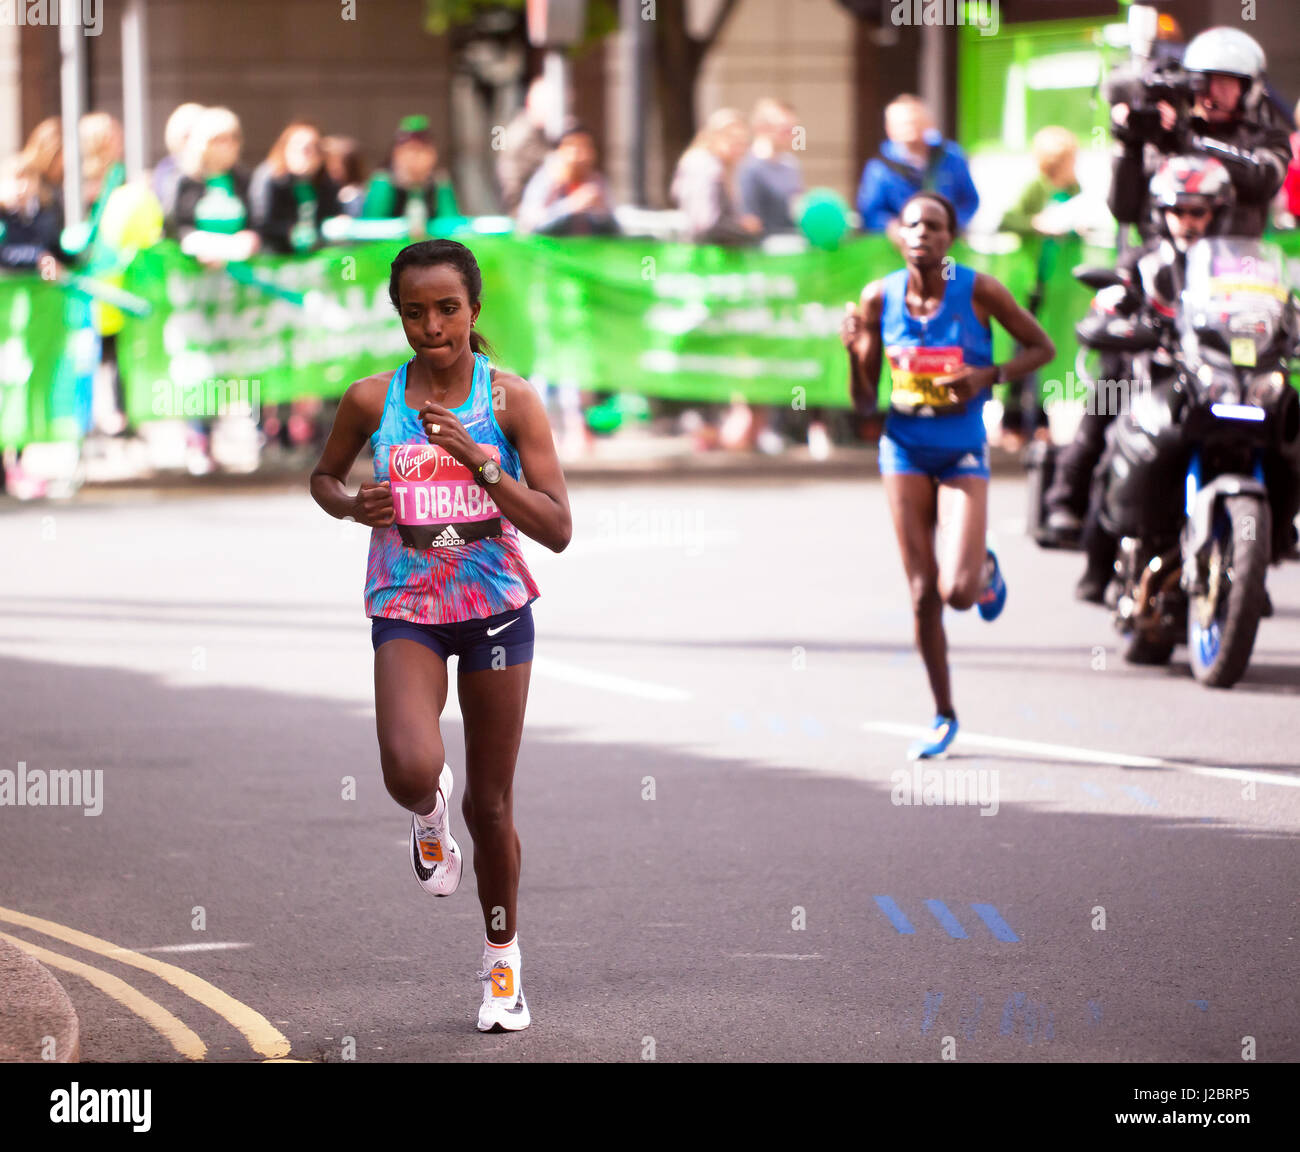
(1191, 197)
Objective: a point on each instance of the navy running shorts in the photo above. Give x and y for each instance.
(491, 642)
(941, 463)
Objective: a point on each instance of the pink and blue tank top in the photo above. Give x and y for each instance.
(450, 555)
(923, 414)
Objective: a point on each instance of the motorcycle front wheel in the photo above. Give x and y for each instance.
(1223, 620)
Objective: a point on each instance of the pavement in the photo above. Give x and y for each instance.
(717, 861)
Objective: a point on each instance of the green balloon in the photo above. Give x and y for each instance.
(824, 219)
(604, 418)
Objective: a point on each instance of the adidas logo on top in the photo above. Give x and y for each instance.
(447, 538)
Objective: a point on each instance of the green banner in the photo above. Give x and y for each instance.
(41, 326)
(671, 320)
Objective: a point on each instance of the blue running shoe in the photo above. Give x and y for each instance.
(942, 733)
(994, 597)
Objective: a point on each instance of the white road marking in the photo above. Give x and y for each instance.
(572, 674)
(1088, 755)
(775, 956)
(213, 947)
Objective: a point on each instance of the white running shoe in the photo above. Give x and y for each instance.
(504, 1008)
(435, 856)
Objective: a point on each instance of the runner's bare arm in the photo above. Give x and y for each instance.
(993, 299)
(358, 416)
(540, 508)
(861, 335)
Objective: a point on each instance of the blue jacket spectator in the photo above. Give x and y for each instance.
(915, 157)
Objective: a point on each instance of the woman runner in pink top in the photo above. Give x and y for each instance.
(454, 442)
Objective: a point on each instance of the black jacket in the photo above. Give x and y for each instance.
(275, 206)
(25, 239)
(189, 192)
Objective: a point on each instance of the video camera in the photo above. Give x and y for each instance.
(1153, 76)
(1162, 81)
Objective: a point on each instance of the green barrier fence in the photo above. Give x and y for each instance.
(668, 320)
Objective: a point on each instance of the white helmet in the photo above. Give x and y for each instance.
(1227, 50)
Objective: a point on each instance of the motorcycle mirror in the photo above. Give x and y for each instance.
(1097, 278)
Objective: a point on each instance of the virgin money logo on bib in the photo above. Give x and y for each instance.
(418, 462)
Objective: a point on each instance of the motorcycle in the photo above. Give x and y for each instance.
(1196, 466)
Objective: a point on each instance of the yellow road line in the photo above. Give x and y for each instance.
(186, 1042)
(265, 1038)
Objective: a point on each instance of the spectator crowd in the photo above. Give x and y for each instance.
(738, 183)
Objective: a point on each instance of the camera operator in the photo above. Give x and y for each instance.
(1216, 105)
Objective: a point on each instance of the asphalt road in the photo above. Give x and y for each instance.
(714, 864)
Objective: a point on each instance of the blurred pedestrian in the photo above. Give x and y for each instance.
(411, 186)
(704, 184)
(291, 194)
(914, 158)
(567, 195)
(29, 221)
(167, 174)
(347, 168)
(211, 218)
(1054, 150)
(1035, 213)
(524, 147)
(212, 195)
(102, 169)
(769, 178)
(44, 148)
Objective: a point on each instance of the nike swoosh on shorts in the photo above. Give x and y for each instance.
(502, 627)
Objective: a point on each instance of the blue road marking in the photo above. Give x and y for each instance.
(1042, 781)
(1141, 797)
(999, 927)
(896, 917)
(1014, 1001)
(1089, 787)
(932, 1002)
(971, 1022)
(738, 721)
(776, 723)
(949, 922)
(1094, 1013)
(812, 727)
(1203, 1005)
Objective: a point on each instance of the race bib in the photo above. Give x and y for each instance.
(437, 503)
(913, 371)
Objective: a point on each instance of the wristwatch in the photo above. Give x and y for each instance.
(488, 472)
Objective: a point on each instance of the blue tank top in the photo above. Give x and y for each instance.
(450, 555)
(920, 349)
